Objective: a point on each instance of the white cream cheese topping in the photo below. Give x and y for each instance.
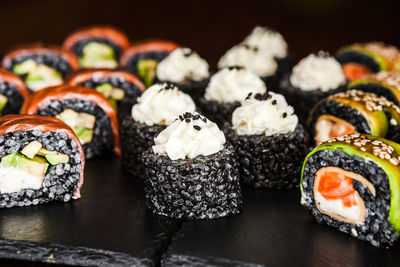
(268, 40)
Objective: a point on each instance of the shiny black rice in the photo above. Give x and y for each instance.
(14, 98)
(103, 137)
(360, 58)
(378, 90)
(220, 113)
(77, 47)
(205, 187)
(376, 229)
(61, 180)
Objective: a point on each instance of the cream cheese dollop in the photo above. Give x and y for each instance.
(267, 40)
(257, 116)
(252, 58)
(189, 136)
(161, 104)
(317, 72)
(233, 84)
(182, 65)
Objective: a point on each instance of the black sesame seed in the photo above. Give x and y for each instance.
(274, 102)
(187, 120)
(197, 127)
(284, 115)
(236, 67)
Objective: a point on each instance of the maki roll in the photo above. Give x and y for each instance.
(269, 141)
(86, 111)
(226, 89)
(97, 47)
(40, 66)
(41, 161)
(312, 79)
(191, 172)
(359, 60)
(383, 83)
(186, 69)
(13, 93)
(351, 183)
(354, 112)
(120, 87)
(155, 109)
(142, 58)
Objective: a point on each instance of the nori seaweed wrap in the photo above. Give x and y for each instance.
(352, 183)
(13, 93)
(97, 46)
(353, 112)
(142, 58)
(120, 87)
(40, 66)
(383, 83)
(269, 142)
(41, 161)
(359, 60)
(188, 181)
(85, 110)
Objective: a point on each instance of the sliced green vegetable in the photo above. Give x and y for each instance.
(98, 55)
(36, 166)
(147, 70)
(3, 103)
(31, 149)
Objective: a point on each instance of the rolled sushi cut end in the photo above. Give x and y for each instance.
(351, 183)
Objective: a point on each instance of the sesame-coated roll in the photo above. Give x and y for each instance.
(41, 161)
(351, 183)
(86, 111)
(13, 93)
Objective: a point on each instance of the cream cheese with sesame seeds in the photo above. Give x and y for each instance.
(189, 136)
(181, 66)
(233, 84)
(267, 117)
(268, 40)
(161, 104)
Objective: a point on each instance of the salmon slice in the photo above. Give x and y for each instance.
(354, 71)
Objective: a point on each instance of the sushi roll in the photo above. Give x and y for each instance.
(155, 109)
(383, 83)
(13, 93)
(353, 112)
(41, 161)
(191, 172)
(312, 79)
(269, 141)
(142, 58)
(97, 47)
(226, 89)
(359, 60)
(351, 183)
(186, 69)
(40, 66)
(120, 87)
(86, 111)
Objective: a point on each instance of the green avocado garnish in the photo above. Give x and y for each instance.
(3, 103)
(98, 55)
(147, 70)
(111, 93)
(84, 135)
(36, 166)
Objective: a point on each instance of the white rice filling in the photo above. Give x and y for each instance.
(12, 179)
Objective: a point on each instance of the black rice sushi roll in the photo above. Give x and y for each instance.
(269, 141)
(13, 93)
(121, 88)
(97, 47)
(142, 58)
(225, 90)
(351, 183)
(39, 66)
(353, 112)
(85, 110)
(41, 161)
(312, 79)
(186, 69)
(359, 60)
(383, 83)
(155, 109)
(191, 172)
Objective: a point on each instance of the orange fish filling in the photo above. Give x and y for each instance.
(338, 129)
(354, 71)
(334, 185)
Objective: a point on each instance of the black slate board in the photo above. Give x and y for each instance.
(273, 230)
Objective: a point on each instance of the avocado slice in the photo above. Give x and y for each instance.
(36, 166)
(53, 157)
(117, 94)
(147, 70)
(84, 135)
(95, 53)
(105, 89)
(31, 149)
(3, 102)
(24, 67)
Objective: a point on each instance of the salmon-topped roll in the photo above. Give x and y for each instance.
(86, 111)
(142, 58)
(41, 161)
(13, 93)
(97, 47)
(351, 183)
(40, 66)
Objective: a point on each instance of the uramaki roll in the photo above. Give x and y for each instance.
(86, 111)
(13, 93)
(40, 66)
(352, 183)
(41, 161)
(142, 58)
(97, 46)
